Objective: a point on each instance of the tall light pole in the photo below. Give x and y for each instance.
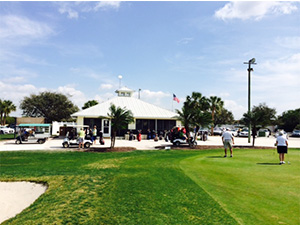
(251, 61)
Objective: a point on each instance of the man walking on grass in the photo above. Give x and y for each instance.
(228, 141)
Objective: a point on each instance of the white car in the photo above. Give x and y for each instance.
(6, 130)
(218, 131)
(243, 133)
(263, 133)
(234, 132)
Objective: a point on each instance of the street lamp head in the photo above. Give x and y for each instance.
(251, 61)
(120, 77)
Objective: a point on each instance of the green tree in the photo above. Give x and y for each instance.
(215, 104)
(89, 104)
(259, 116)
(51, 106)
(194, 112)
(6, 107)
(120, 118)
(289, 120)
(223, 116)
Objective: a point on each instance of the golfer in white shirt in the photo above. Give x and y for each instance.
(228, 141)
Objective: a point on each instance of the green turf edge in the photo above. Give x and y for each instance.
(220, 152)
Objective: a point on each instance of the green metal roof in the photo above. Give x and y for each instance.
(34, 125)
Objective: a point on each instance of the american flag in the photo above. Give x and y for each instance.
(175, 98)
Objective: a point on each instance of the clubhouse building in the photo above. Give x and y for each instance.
(146, 116)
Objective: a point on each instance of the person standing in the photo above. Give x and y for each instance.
(94, 133)
(228, 141)
(81, 138)
(282, 146)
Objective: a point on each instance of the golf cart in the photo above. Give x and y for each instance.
(33, 133)
(178, 137)
(71, 139)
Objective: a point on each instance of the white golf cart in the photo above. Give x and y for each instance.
(71, 139)
(33, 133)
(177, 140)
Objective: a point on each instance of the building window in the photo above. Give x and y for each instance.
(91, 122)
(157, 125)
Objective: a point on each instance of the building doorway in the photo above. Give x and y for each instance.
(106, 127)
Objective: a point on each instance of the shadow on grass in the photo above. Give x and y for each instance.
(215, 157)
(269, 164)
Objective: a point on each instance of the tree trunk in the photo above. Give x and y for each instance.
(213, 122)
(4, 119)
(113, 139)
(253, 135)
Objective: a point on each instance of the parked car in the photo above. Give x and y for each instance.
(218, 131)
(243, 133)
(263, 133)
(296, 133)
(234, 132)
(6, 130)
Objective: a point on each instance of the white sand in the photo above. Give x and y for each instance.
(17, 196)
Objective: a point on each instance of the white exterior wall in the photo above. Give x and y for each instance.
(79, 120)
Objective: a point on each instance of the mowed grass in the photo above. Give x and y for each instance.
(6, 136)
(252, 187)
(157, 187)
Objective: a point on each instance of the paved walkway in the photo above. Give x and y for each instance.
(56, 143)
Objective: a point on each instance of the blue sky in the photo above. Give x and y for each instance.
(80, 49)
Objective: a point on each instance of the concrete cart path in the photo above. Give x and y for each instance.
(56, 143)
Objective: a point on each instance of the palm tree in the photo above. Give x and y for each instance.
(120, 118)
(259, 116)
(194, 112)
(185, 116)
(215, 104)
(1, 112)
(6, 108)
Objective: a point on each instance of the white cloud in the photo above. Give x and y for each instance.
(76, 96)
(16, 27)
(9, 71)
(66, 7)
(158, 98)
(288, 42)
(17, 79)
(153, 94)
(106, 86)
(184, 41)
(235, 108)
(17, 92)
(104, 5)
(253, 9)
(72, 9)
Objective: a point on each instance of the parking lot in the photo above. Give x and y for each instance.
(56, 143)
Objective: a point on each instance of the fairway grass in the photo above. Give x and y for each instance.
(252, 187)
(157, 187)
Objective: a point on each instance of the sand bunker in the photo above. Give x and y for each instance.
(17, 196)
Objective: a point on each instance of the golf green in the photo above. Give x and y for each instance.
(252, 187)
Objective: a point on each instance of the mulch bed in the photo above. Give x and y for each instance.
(198, 147)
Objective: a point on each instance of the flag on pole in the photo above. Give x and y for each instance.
(175, 98)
